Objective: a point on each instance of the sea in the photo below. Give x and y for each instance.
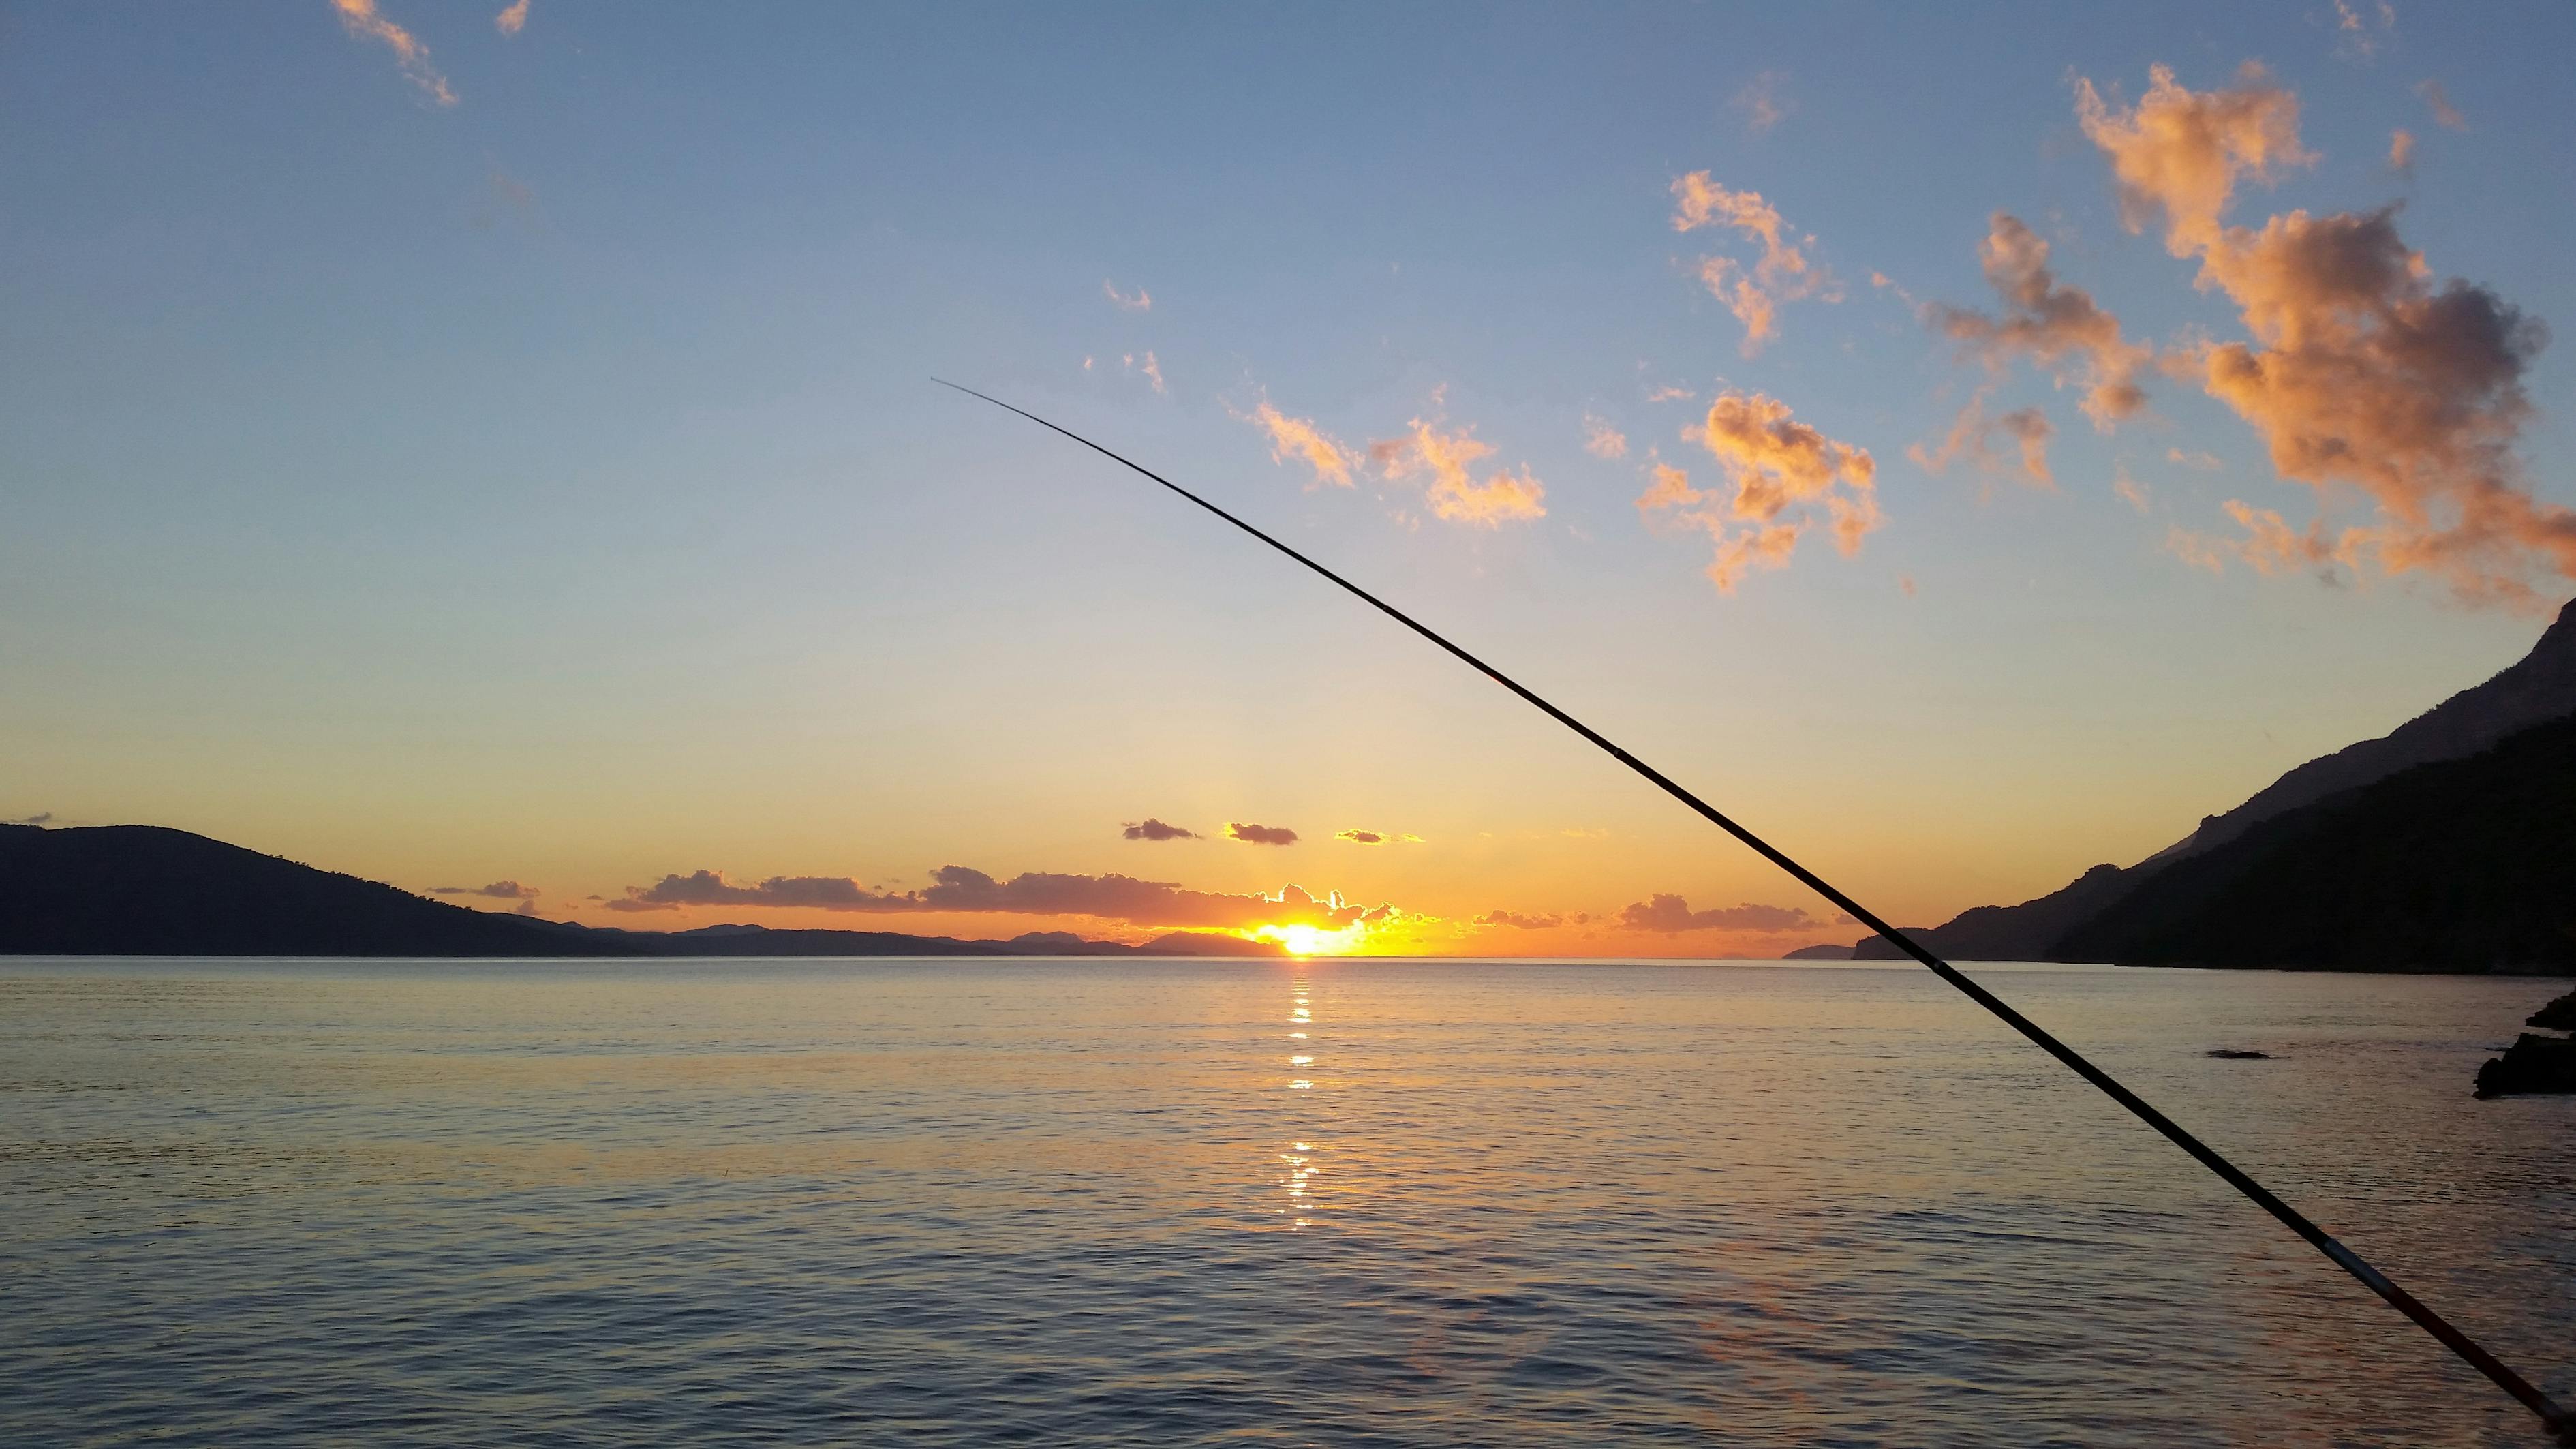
(1275, 1202)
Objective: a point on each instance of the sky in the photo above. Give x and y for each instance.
(493, 449)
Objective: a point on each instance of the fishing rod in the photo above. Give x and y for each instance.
(2557, 1420)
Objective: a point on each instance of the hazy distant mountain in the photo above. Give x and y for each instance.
(2537, 689)
(142, 890)
(2463, 865)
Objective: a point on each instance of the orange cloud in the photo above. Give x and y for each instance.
(2180, 153)
(1150, 828)
(2058, 328)
(1378, 837)
(1260, 834)
(1783, 273)
(2444, 113)
(512, 20)
(1453, 492)
(2360, 371)
(1970, 437)
(1602, 440)
(1142, 301)
(360, 19)
(1153, 371)
(1300, 438)
(499, 890)
(2401, 151)
(1785, 474)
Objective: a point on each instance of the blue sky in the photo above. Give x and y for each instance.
(547, 485)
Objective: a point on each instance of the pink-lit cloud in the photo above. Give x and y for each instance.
(1446, 461)
(361, 20)
(2362, 374)
(1299, 438)
(2056, 327)
(1782, 273)
(513, 19)
(1137, 301)
(1784, 477)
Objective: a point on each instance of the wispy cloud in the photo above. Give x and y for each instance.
(513, 19)
(1299, 438)
(1764, 102)
(1259, 834)
(360, 19)
(2058, 328)
(1150, 828)
(2401, 151)
(1378, 837)
(1153, 370)
(41, 817)
(499, 890)
(1447, 458)
(2355, 37)
(1671, 913)
(2361, 372)
(1602, 440)
(1138, 301)
(1782, 272)
(2438, 101)
(1785, 477)
(1971, 437)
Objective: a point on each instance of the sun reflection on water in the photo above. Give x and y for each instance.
(1300, 1157)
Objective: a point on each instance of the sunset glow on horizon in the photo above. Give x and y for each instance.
(490, 449)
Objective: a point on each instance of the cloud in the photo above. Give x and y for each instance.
(1532, 920)
(2360, 372)
(360, 19)
(2439, 102)
(2401, 151)
(959, 889)
(1602, 440)
(2197, 462)
(1671, 394)
(1153, 371)
(1783, 272)
(1762, 103)
(1150, 828)
(1670, 913)
(41, 817)
(2059, 328)
(1786, 477)
(499, 890)
(2131, 491)
(1453, 492)
(1260, 834)
(2179, 153)
(512, 20)
(1143, 301)
(1300, 438)
(1971, 434)
(1378, 837)
(2354, 38)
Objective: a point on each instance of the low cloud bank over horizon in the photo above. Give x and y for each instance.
(962, 889)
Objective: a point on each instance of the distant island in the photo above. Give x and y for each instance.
(143, 890)
(2446, 845)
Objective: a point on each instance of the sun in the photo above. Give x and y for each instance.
(1311, 940)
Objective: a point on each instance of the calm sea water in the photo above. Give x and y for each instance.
(1344, 1203)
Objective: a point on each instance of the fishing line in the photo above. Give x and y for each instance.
(2558, 1420)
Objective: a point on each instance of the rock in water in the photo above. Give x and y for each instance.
(2532, 1064)
(2559, 1015)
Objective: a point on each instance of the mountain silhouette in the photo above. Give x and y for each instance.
(2535, 690)
(146, 890)
(2462, 865)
